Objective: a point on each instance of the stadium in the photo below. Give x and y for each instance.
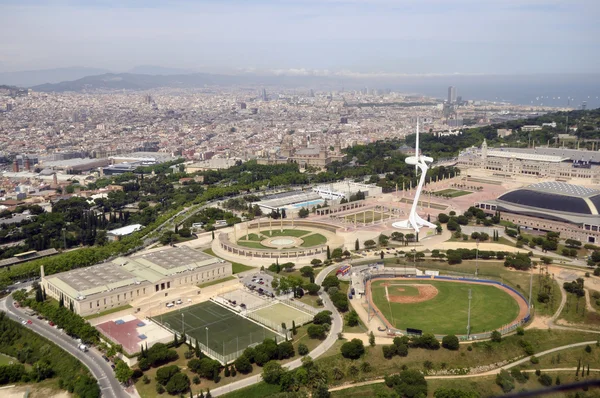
(468, 308)
(571, 210)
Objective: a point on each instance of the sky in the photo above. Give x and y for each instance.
(343, 37)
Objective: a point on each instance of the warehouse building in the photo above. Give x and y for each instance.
(119, 282)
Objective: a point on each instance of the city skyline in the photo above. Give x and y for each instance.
(342, 38)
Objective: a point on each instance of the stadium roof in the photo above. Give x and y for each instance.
(554, 200)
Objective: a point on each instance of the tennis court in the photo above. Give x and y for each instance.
(225, 332)
(280, 313)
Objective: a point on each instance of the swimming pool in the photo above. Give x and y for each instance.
(309, 203)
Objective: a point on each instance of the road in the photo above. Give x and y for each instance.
(336, 327)
(92, 359)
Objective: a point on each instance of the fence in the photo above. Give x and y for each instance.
(479, 336)
(266, 322)
(221, 357)
(299, 306)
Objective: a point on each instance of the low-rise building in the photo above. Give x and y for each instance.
(119, 282)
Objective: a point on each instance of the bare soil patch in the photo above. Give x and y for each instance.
(426, 292)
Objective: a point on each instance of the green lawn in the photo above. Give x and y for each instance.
(6, 360)
(252, 245)
(259, 390)
(313, 240)
(253, 237)
(236, 268)
(211, 283)
(111, 311)
(576, 312)
(227, 331)
(453, 193)
(446, 313)
(286, 232)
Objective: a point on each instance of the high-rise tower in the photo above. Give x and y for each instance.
(451, 95)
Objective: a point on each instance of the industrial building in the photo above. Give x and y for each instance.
(119, 282)
(569, 209)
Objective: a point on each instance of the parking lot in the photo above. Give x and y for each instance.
(260, 283)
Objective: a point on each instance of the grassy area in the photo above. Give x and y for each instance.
(494, 269)
(567, 358)
(310, 300)
(259, 390)
(211, 283)
(149, 390)
(482, 354)
(286, 232)
(252, 245)
(236, 268)
(576, 312)
(111, 311)
(6, 360)
(313, 240)
(485, 386)
(360, 328)
(252, 237)
(446, 312)
(453, 193)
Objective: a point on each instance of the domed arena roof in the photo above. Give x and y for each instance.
(555, 196)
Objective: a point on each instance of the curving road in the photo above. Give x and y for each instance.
(100, 369)
(336, 327)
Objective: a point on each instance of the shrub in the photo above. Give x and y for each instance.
(164, 374)
(534, 360)
(196, 379)
(388, 351)
(470, 348)
(588, 348)
(496, 337)
(545, 380)
(353, 349)
(178, 384)
(505, 381)
(427, 341)
(520, 331)
(302, 349)
(322, 317)
(352, 318)
(450, 342)
(243, 365)
(402, 350)
(316, 331)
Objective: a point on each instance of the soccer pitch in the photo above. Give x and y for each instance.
(227, 331)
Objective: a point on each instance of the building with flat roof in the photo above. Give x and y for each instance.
(570, 209)
(558, 163)
(116, 234)
(119, 282)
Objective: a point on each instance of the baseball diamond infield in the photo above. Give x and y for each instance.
(441, 306)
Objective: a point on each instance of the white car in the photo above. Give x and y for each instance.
(179, 301)
(24, 322)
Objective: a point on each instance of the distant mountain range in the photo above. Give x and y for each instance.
(30, 78)
(132, 81)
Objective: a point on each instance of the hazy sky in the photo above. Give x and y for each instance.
(368, 36)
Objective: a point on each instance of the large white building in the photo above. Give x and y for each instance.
(118, 283)
(345, 189)
(557, 163)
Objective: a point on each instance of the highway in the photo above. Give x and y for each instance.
(336, 327)
(100, 369)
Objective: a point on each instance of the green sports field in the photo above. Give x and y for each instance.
(227, 331)
(446, 313)
(309, 239)
(453, 193)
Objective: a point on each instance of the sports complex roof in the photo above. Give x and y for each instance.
(553, 200)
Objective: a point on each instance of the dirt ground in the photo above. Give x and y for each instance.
(426, 292)
(20, 391)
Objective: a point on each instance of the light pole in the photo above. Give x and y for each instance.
(207, 337)
(182, 324)
(477, 259)
(469, 317)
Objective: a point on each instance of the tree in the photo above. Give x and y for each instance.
(312, 288)
(356, 245)
(371, 339)
(178, 383)
(353, 349)
(370, 243)
(352, 318)
(123, 372)
(408, 383)
(330, 281)
(243, 365)
(303, 212)
(315, 331)
(505, 381)
(316, 262)
(443, 218)
(322, 317)
(496, 336)
(302, 349)
(307, 271)
(450, 342)
(164, 374)
(272, 372)
(545, 380)
(328, 253)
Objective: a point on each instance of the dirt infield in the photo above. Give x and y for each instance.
(523, 306)
(426, 292)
